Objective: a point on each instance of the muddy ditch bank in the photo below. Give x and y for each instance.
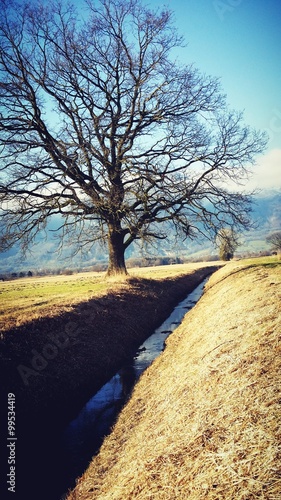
(53, 365)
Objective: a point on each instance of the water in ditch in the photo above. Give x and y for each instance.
(83, 436)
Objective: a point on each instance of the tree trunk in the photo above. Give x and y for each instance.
(116, 251)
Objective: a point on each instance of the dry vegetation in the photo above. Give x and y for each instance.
(27, 299)
(55, 362)
(204, 420)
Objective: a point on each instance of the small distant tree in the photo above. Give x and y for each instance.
(227, 242)
(274, 239)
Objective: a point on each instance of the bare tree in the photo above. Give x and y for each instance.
(101, 126)
(228, 242)
(275, 241)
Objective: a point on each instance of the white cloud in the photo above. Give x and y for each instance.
(263, 177)
(266, 174)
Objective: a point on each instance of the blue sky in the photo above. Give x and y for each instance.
(240, 42)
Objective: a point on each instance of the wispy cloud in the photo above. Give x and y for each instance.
(266, 174)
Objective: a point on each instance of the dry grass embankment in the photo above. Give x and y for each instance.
(67, 352)
(29, 299)
(204, 421)
(54, 361)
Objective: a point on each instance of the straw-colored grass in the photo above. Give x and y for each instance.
(27, 299)
(204, 421)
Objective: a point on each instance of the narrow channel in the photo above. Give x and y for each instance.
(83, 436)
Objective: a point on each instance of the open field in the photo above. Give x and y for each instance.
(26, 299)
(204, 421)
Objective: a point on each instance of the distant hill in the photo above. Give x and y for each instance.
(267, 215)
(44, 255)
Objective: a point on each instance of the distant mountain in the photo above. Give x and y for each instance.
(44, 255)
(267, 210)
(267, 216)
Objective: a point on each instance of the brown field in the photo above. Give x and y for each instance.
(204, 421)
(27, 299)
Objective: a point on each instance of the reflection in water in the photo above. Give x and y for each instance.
(127, 379)
(84, 435)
